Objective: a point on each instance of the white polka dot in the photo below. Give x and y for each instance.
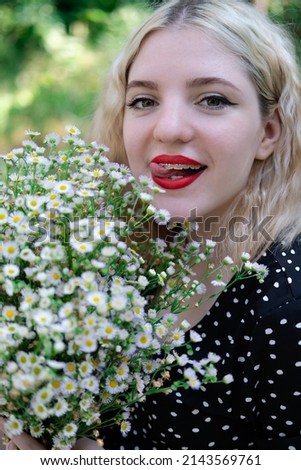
(289, 423)
(211, 444)
(283, 322)
(298, 364)
(195, 412)
(195, 430)
(268, 331)
(279, 372)
(276, 284)
(298, 325)
(265, 298)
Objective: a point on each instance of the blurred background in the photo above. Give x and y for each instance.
(54, 55)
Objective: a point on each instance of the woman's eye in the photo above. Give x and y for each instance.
(141, 103)
(216, 102)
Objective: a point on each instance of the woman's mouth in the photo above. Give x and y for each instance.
(175, 171)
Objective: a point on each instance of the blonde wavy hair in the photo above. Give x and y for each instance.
(267, 51)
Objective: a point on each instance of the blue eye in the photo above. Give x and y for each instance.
(141, 102)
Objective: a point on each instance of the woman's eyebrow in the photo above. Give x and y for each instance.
(193, 83)
(201, 81)
(142, 84)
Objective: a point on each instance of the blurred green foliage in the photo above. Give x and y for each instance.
(54, 55)
(288, 13)
(53, 58)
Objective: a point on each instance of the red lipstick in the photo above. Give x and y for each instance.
(175, 171)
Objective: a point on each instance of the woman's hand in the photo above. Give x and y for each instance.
(26, 442)
(23, 441)
(88, 444)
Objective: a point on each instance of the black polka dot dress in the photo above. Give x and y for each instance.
(256, 329)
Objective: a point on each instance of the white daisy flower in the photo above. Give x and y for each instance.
(69, 430)
(81, 246)
(97, 298)
(85, 368)
(43, 317)
(72, 130)
(52, 139)
(10, 250)
(63, 187)
(11, 270)
(27, 255)
(13, 426)
(69, 387)
(177, 337)
(37, 430)
(90, 383)
(9, 312)
(192, 379)
(122, 372)
(143, 340)
(15, 218)
(195, 337)
(118, 302)
(161, 331)
(109, 251)
(34, 202)
(125, 427)
(113, 386)
(3, 216)
(88, 343)
(40, 410)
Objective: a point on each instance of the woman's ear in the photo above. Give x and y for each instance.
(271, 135)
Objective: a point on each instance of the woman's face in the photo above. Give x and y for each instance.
(192, 122)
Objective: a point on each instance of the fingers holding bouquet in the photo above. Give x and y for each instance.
(22, 441)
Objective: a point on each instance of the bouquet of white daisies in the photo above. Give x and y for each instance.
(88, 297)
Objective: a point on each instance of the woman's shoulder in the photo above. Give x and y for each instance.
(284, 265)
(281, 287)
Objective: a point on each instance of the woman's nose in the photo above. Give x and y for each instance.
(173, 124)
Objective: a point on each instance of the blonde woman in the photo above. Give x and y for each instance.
(205, 99)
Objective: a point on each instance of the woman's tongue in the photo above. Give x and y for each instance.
(163, 172)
